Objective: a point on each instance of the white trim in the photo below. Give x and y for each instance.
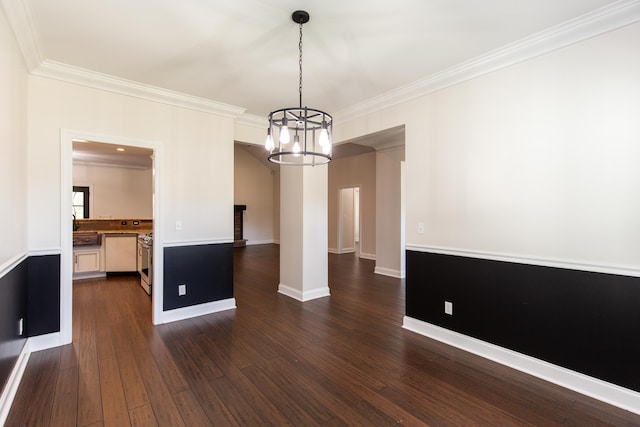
(599, 21)
(67, 73)
(180, 243)
(365, 255)
(344, 251)
(92, 275)
(389, 272)
(44, 252)
(545, 262)
(46, 341)
(303, 296)
(21, 21)
(12, 263)
(66, 273)
(589, 386)
(252, 120)
(198, 310)
(66, 233)
(11, 387)
(259, 242)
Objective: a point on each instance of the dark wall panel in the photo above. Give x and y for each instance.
(584, 321)
(13, 307)
(44, 295)
(207, 270)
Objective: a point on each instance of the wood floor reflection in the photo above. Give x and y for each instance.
(341, 360)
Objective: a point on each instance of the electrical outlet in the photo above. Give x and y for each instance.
(178, 225)
(448, 308)
(123, 222)
(182, 290)
(421, 228)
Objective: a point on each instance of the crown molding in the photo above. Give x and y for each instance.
(599, 21)
(80, 76)
(21, 21)
(252, 121)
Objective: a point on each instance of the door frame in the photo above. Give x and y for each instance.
(66, 239)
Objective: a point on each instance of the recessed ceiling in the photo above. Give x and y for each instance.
(245, 53)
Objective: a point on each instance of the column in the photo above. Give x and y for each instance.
(304, 259)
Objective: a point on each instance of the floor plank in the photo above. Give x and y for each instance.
(343, 360)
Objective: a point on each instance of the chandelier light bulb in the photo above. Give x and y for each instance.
(268, 143)
(296, 145)
(285, 138)
(323, 140)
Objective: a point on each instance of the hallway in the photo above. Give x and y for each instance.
(341, 360)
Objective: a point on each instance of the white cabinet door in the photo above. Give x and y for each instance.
(86, 261)
(120, 252)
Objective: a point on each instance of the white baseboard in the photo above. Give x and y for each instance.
(343, 251)
(365, 255)
(389, 272)
(584, 384)
(303, 296)
(259, 242)
(198, 310)
(44, 342)
(80, 276)
(10, 389)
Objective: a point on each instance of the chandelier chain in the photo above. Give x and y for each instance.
(300, 65)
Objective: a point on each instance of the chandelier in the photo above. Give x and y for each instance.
(311, 129)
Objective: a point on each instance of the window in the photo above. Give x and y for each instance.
(81, 202)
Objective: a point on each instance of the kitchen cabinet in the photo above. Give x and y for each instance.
(86, 260)
(120, 252)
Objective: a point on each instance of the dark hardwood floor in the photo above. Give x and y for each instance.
(341, 360)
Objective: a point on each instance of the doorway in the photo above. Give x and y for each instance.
(349, 220)
(66, 269)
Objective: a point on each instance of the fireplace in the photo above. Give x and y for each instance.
(238, 239)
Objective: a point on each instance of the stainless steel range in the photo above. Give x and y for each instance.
(145, 261)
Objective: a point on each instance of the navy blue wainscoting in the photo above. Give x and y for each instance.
(206, 270)
(584, 321)
(13, 307)
(44, 295)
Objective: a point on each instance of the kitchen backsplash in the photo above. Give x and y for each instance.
(124, 224)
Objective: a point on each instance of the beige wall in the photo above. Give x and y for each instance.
(253, 186)
(116, 192)
(389, 250)
(537, 160)
(355, 171)
(196, 165)
(13, 146)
